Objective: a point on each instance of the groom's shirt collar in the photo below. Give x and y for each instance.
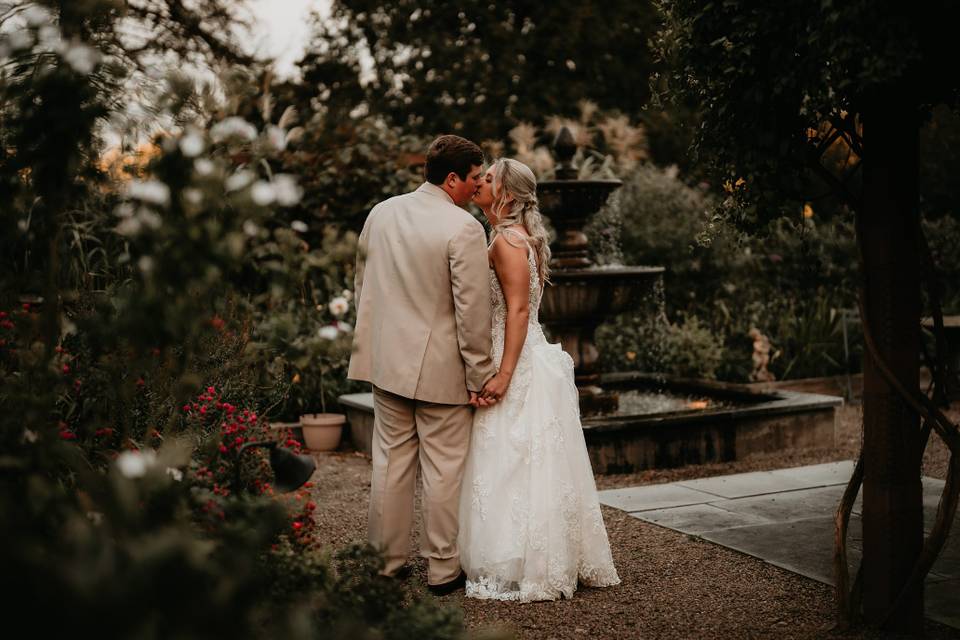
(436, 191)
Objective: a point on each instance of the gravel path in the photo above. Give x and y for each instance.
(674, 585)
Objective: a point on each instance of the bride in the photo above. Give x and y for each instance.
(530, 522)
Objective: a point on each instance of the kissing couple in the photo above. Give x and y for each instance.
(467, 389)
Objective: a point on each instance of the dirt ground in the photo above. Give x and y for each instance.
(673, 585)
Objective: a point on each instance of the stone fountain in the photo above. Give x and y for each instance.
(639, 420)
(582, 296)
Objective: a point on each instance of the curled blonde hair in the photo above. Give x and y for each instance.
(513, 178)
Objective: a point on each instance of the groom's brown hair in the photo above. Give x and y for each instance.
(451, 153)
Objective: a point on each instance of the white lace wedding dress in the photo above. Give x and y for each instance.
(530, 521)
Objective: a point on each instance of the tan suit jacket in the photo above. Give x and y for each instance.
(423, 299)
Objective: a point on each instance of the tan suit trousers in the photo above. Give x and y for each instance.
(436, 436)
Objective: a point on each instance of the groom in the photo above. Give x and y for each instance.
(423, 340)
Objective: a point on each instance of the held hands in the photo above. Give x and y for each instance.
(493, 389)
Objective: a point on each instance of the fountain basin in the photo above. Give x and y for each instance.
(706, 422)
(670, 422)
(593, 294)
(562, 199)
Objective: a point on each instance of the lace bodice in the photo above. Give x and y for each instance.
(499, 306)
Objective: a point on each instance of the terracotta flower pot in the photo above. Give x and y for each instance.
(321, 431)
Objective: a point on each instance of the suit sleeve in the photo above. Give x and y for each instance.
(470, 281)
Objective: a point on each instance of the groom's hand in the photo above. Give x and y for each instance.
(477, 401)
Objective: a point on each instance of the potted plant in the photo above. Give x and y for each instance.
(322, 431)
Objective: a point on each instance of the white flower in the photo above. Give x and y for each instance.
(193, 195)
(81, 58)
(20, 39)
(277, 137)
(239, 180)
(29, 436)
(145, 264)
(150, 218)
(49, 38)
(262, 193)
(129, 226)
(339, 306)
(134, 464)
(286, 190)
(23, 224)
(299, 226)
(191, 145)
(175, 473)
(347, 294)
(124, 210)
(346, 327)
(204, 166)
(250, 228)
(36, 15)
(328, 332)
(233, 127)
(151, 191)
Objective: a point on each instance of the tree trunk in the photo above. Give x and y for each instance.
(892, 496)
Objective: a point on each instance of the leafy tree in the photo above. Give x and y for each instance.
(804, 100)
(115, 302)
(478, 67)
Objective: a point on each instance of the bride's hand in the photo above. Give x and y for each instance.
(495, 387)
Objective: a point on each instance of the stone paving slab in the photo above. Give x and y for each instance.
(942, 602)
(745, 484)
(658, 496)
(790, 527)
(800, 546)
(820, 475)
(788, 505)
(699, 518)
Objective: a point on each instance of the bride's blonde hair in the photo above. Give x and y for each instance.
(513, 178)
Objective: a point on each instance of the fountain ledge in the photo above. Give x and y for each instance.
(762, 422)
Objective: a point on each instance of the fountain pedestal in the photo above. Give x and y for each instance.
(581, 296)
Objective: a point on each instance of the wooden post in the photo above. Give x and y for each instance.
(892, 495)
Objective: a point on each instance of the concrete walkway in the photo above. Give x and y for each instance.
(785, 517)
